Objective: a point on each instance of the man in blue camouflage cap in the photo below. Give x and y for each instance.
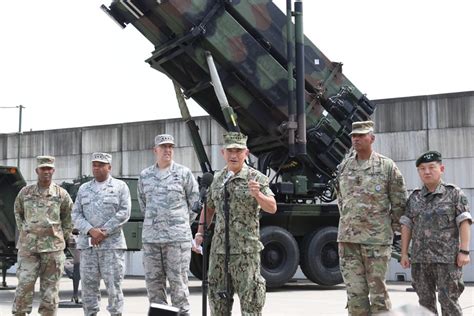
(438, 222)
(166, 194)
(371, 199)
(43, 219)
(101, 208)
(249, 192)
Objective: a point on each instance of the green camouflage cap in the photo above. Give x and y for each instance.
(235, 140)
(102, 157)
(362, 127)
(45, 161)
(164, 139)
(428, 156)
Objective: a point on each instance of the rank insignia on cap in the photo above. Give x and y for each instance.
(235, 140)
(102, 157)
(428, 156)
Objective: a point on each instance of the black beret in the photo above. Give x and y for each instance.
(428, 156)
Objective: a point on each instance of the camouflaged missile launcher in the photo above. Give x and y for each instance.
(248, 42)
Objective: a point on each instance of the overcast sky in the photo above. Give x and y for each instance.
(70, 65)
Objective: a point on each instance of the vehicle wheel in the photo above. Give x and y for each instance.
(320, 258)
(279, 258)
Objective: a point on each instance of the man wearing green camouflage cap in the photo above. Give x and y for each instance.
(43, 218)
(371, 198)
(438, 222)
(249, 192)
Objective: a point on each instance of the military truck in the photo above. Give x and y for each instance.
(294, 104)
(11, 182)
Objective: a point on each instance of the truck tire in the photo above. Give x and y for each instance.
(320, 258)
(279, 258)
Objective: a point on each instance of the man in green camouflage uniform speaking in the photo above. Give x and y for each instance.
(437, 220)
(371, 199)
(43, 218)
(248, 192)
(166, 194)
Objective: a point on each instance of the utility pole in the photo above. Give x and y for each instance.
(21, 107)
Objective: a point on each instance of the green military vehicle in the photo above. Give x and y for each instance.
(294, 104)
(11, 182)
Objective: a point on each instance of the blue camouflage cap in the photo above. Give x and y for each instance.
(164, 139)
(102, 157)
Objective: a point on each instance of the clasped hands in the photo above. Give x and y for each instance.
(97, 236)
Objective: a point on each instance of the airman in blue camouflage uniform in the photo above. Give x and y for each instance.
(248, 193)
(371, 200)
(43, 219)
(166, 194)
(437, 221)
(101, 208)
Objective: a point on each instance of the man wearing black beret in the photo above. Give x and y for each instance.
(437, 220)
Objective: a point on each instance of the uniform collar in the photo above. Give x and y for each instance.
(243, 173)
(171, 169)
(108, 181)
(374, 158)
(440, 189)
(51, 190)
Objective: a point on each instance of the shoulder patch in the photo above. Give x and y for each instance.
(463, 200)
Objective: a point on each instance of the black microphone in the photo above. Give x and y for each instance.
(206, 181)
(229, 175)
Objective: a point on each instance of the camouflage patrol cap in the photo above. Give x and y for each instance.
(102, 157)
(164, 139)
(362, 127)
(45, 161)
(429, 156)
(235, 140)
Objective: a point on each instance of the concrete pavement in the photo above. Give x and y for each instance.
(299, 297)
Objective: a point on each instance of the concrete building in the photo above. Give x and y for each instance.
(405, 128)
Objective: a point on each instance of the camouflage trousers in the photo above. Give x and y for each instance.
(447, 278)
(246, 280)
(49, 267)
(108, 265)
(363, 269)
(167, 261)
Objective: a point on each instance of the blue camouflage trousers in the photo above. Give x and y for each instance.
(447, 278)
(108, 265)
(363, 269)
(167, 261)
(246, 281)
(49, 266)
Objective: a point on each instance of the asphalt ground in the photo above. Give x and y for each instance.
(298, 297)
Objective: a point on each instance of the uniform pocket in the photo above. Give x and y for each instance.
(175, 196)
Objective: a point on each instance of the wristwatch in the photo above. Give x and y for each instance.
(465, 252)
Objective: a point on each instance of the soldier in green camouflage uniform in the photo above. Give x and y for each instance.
(166, 194)
(101, 208)
(249, 192)
(437, 220)
(371, 200)
(43, 218)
